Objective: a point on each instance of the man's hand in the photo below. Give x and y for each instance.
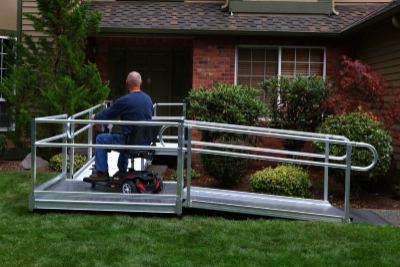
(92, 117)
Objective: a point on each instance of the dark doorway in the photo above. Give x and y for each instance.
(166, 73)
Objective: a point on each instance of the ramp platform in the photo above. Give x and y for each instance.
(70, 194)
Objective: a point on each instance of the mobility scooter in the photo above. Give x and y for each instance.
(137, 178)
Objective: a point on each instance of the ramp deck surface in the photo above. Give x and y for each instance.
(70, 194)
(261, 204)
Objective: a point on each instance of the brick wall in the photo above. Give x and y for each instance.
(214, 56)
(213, 61)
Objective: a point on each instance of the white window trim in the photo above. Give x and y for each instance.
(280, 47)
(279, 60)
(3, 129)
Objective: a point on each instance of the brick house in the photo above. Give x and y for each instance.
(179, 45)
(182, 45)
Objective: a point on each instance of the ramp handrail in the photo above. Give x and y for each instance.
(156, 105)
(282, 134)
(269, 154)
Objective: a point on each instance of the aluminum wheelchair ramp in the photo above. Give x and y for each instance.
(265, 205)
(69, 192)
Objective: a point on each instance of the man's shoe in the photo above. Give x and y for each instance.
(99, 176)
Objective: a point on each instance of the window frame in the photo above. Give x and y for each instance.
(279, 48)
(2, 67)
(263, 97)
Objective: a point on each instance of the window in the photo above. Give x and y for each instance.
(256, 64)
(3, 118)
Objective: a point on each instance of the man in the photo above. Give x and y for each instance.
(134, 106)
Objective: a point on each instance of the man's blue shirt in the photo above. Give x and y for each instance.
(135, 106)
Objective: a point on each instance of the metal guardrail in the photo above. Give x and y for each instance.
(185, 146)
(267, 154)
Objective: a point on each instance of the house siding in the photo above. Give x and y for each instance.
(382, 53)
(30, 6)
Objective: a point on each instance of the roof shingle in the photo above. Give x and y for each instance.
(183, 17)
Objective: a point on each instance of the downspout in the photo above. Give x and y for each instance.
(333, 8)
(19, 20)
(396, 20)
(225, 5)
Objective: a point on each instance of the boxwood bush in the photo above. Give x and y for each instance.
(231, 104)
(225, 103)
(193, 174)
(226, 169)
(55, 162)
(359, 127)
(284, 180)
(296, 104)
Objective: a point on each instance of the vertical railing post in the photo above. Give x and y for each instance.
(90, 137)
(347, 184)
(33, 152)
(155, 110)
(33, 164)
(326, 169)
(188, 166)
(179, 170)
(72, 149)
(64, 151)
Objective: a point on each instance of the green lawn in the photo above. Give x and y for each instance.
(107, 239)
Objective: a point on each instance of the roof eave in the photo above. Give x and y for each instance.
(373, 19)
(162, 31)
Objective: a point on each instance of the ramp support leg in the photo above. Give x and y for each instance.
(347, 184)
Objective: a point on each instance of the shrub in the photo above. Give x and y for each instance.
(231, 104)
(3, 145)
(360, 86)
(225, 103)
(359, 127)
(193, 174)
(56, 162)
(226, 169)
(296, 103)
(284, 180)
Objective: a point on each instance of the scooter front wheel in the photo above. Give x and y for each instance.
(128, 187)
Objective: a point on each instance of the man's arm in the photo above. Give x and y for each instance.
(109, 113)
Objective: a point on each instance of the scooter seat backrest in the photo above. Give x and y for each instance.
(142, 135)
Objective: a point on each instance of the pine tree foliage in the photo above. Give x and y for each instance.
(50, 75)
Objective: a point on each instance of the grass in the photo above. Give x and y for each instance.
(107, 239)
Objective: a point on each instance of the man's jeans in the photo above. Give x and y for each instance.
(101, 160)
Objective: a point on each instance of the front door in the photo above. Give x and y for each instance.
(166, 73)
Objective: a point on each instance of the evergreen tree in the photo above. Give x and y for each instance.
(50, 75)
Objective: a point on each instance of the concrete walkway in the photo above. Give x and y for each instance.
(391, 216)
